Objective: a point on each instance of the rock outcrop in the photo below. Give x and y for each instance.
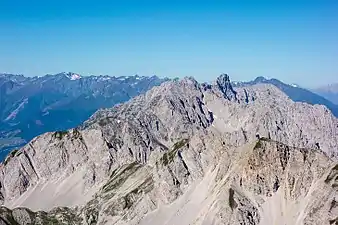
(184, 153)
(224, 84)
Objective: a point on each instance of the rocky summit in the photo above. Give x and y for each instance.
(182, 153)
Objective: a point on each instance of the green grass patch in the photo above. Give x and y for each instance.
(169, 156)
(258, 145)
(119, 176)
(11, 155)
(60, 134)
(77, 134)
(180, 144)
(265, 139)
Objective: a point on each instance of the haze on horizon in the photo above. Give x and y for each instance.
(295, 41)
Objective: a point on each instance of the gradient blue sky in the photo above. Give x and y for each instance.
(295, 41)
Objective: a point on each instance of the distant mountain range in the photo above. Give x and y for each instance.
(30, 106)
(330, 92)
(295, 92)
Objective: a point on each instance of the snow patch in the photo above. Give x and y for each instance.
(45, 113)
(75, 77)
(121, 78)
(72, 76)
(104, 78)
(13, 114)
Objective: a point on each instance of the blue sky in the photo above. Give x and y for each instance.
(295, 41)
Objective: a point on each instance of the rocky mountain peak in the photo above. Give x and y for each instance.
(260, 79)
(224, 84)
(70, 75)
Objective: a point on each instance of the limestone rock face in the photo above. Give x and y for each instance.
(183, 153)
(224, 84)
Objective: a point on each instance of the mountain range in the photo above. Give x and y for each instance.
(296, 93)
(330, 92)
(30, 106)
(182, 153)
